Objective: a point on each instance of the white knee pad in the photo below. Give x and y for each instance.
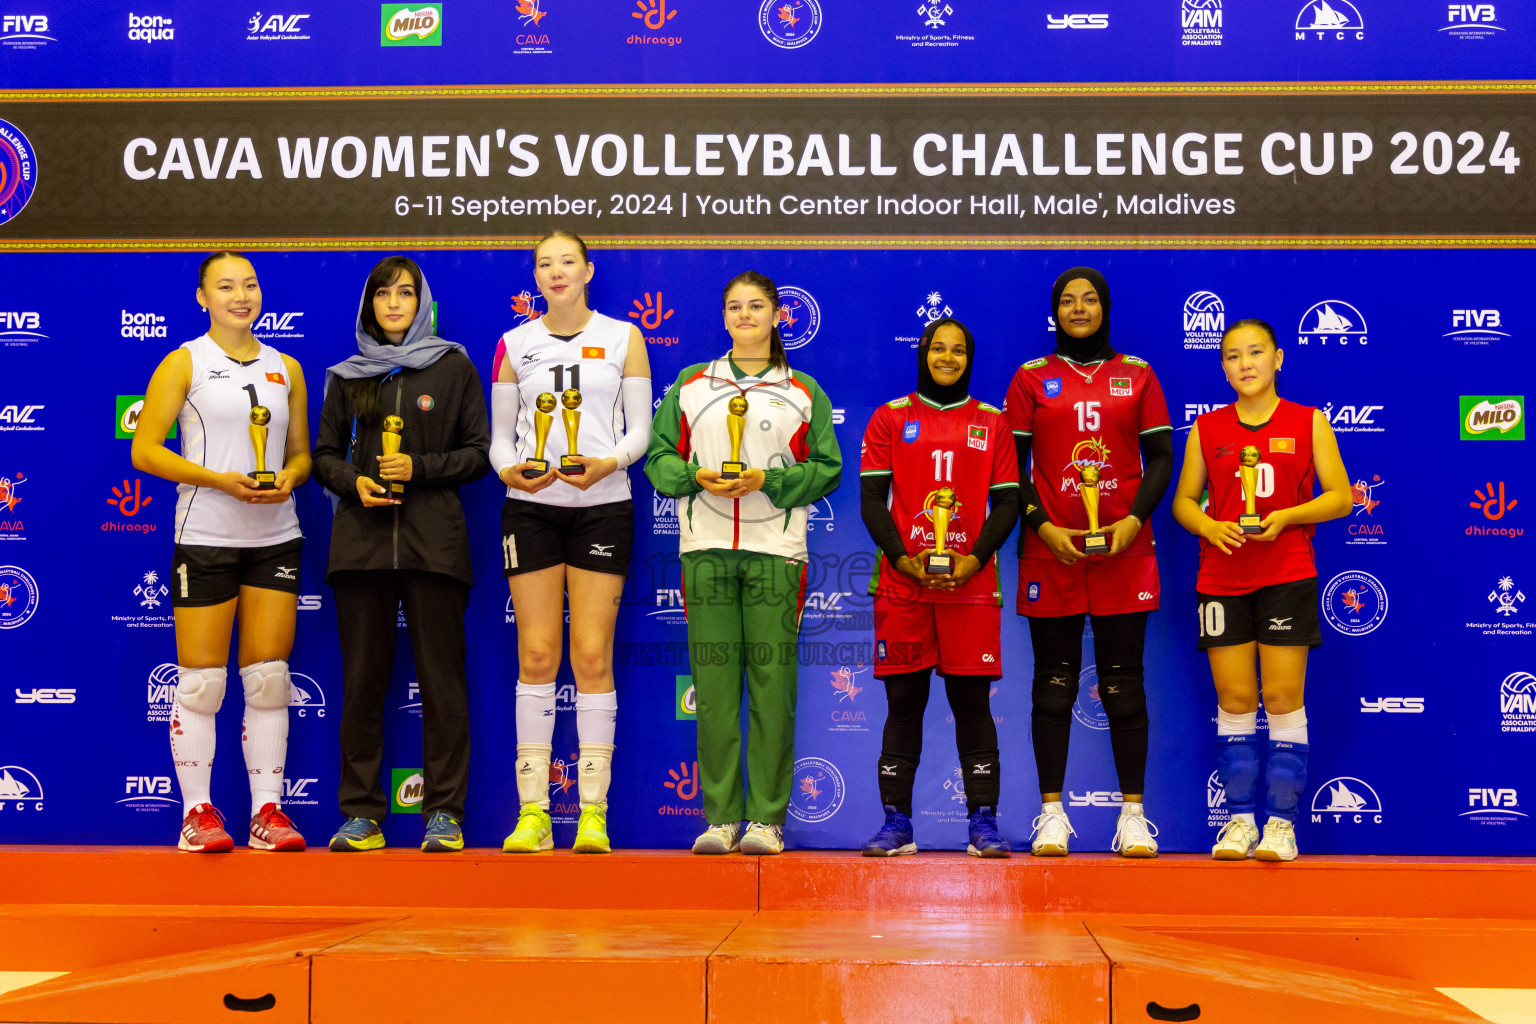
(266, 684)
(595, 772)
(200, 689)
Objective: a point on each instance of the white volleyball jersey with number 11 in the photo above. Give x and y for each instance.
(592, 362)
(215, 424)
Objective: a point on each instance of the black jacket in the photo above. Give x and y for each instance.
(449, 444)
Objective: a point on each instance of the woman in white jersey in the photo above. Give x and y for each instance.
(244, 448)
(567, 524)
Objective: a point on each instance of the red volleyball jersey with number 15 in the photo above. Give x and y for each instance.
(1072, 421)
(1283, 480)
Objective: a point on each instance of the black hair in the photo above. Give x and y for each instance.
(1256, 323)
(776, 357)
(214, 257)
(363, 392)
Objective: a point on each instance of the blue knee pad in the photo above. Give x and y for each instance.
(1286, 776)
(1237, 766)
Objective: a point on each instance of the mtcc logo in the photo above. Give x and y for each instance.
(305, 696)
(1331, 320)
(816, 790)
(1329, 19)
(1347, 800)
(20, 790)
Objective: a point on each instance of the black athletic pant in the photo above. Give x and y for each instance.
(975, 737)
(367, 607)
(1118, 641)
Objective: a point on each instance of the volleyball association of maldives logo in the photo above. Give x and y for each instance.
(799, 317)
(789, 24)
(18, 171)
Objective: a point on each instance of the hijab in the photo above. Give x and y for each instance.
(931, 389)
(1096, 346)
(419, 348)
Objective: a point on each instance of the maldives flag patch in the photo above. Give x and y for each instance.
(593, 353)
(1282, 444)
(976, 437)
(277, 378)
(1120, 386)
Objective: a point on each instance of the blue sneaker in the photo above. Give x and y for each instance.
(443, 834)
(894, 838)
(985, 842)
(357, 834)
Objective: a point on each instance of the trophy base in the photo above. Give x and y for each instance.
(395, 492)
(570, 468)
(1250, 523)
(939, 565)
(266, 480)
(538, 467)
(732, 470)
(1095, 543)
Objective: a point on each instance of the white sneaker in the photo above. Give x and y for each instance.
(1236, 840)
(1049, 838)
(762, 839)
(1134, 836)
(1279, 842)
(719, 838)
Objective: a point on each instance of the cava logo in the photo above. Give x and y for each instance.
(18, 171)
(1493, 806)
(148, 793)
(25, 31)
(1476, 326)
(1201, 21)
(1517, 702)
(1354, 603)
(1205, 320)
(1471, 21)
(19, 328)
(789, 24)
(150, 28)
(276, 27)
(1329, 19)
(816, 790)
(1331, 321)
(411, 25)
(1493, 417)
(405, 791)
(530, 13)
(270, 327)
(1364, 529)
(12, 527)
(20, 790)
(1346, 800)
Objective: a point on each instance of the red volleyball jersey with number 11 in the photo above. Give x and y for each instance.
(1284, 480)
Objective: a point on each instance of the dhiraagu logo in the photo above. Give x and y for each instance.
(411, 25)
(405, 785)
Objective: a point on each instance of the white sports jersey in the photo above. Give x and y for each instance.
(215, 432)
(592, 363)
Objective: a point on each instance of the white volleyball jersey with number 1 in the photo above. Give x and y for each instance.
(215, 424)
(592, 362)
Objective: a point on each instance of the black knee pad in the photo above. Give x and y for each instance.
(1054, 691)
(1124, 696)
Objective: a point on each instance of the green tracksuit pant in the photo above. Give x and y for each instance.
(744, 626)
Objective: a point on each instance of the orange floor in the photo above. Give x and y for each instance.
(110, 934)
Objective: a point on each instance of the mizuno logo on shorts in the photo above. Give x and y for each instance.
(285, 573)
(605, 550)
(1280, 623)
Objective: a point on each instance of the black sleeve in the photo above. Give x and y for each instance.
(333, 445)
(999, 524)
(1156, 474)
(1029, 498)
(469, 459)
(873, 491)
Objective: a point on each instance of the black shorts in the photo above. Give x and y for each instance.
(1281, 615)
(203, 576)
(536, 536)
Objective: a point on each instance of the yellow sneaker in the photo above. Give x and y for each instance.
(592, 831)
(532, 833)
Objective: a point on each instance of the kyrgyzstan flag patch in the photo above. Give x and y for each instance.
(976, 437)
(1282, 444)
(277, 378)
(593, 353)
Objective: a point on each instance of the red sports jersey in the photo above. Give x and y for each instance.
(923, 447)
(1285, 474)
(1076, 416)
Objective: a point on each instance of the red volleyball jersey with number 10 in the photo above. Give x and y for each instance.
(1284, 480)
(1071, 421)
(923, 447)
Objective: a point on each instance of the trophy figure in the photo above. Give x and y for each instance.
(1095, 542)
(542, 420)
(1248, 473)
(266, 480)
(571, 399)
(735, 425)
(391, 442)
(941, 562)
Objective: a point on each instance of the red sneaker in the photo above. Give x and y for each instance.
(202, 831)
(272, 830)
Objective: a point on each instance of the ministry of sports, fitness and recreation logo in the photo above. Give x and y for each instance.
(1517, 703)
(20, 789)
(1332, 320)
(1354, 603)
(1493, 417)
(1201, 21)
(1347, 800)
(816, 791)
(1088, 708)
(18, 171)
(789, 24)
(933, 307)
(18, 596)
(799, 317)
(411, 24)
(1329, 19)
(1205, 319)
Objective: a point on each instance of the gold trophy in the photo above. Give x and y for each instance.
(542, 420)
(941, 562)
(1248, 473)
(266, 480)
(391, 442)
(571, 399)
(735, 425)
(1095, 542)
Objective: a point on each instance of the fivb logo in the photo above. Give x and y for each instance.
(1492, 806)
(1205, 320)
(25, 31)
(19, 328)
(412, 698)
(669, 607)
(1471, 21)
(148, 792)
(1331, 320)
(1201, 21)
(20, 790)
(1476, 326)
(142, 325)
(1347, 800)
(1517, 703)
(305, 696)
